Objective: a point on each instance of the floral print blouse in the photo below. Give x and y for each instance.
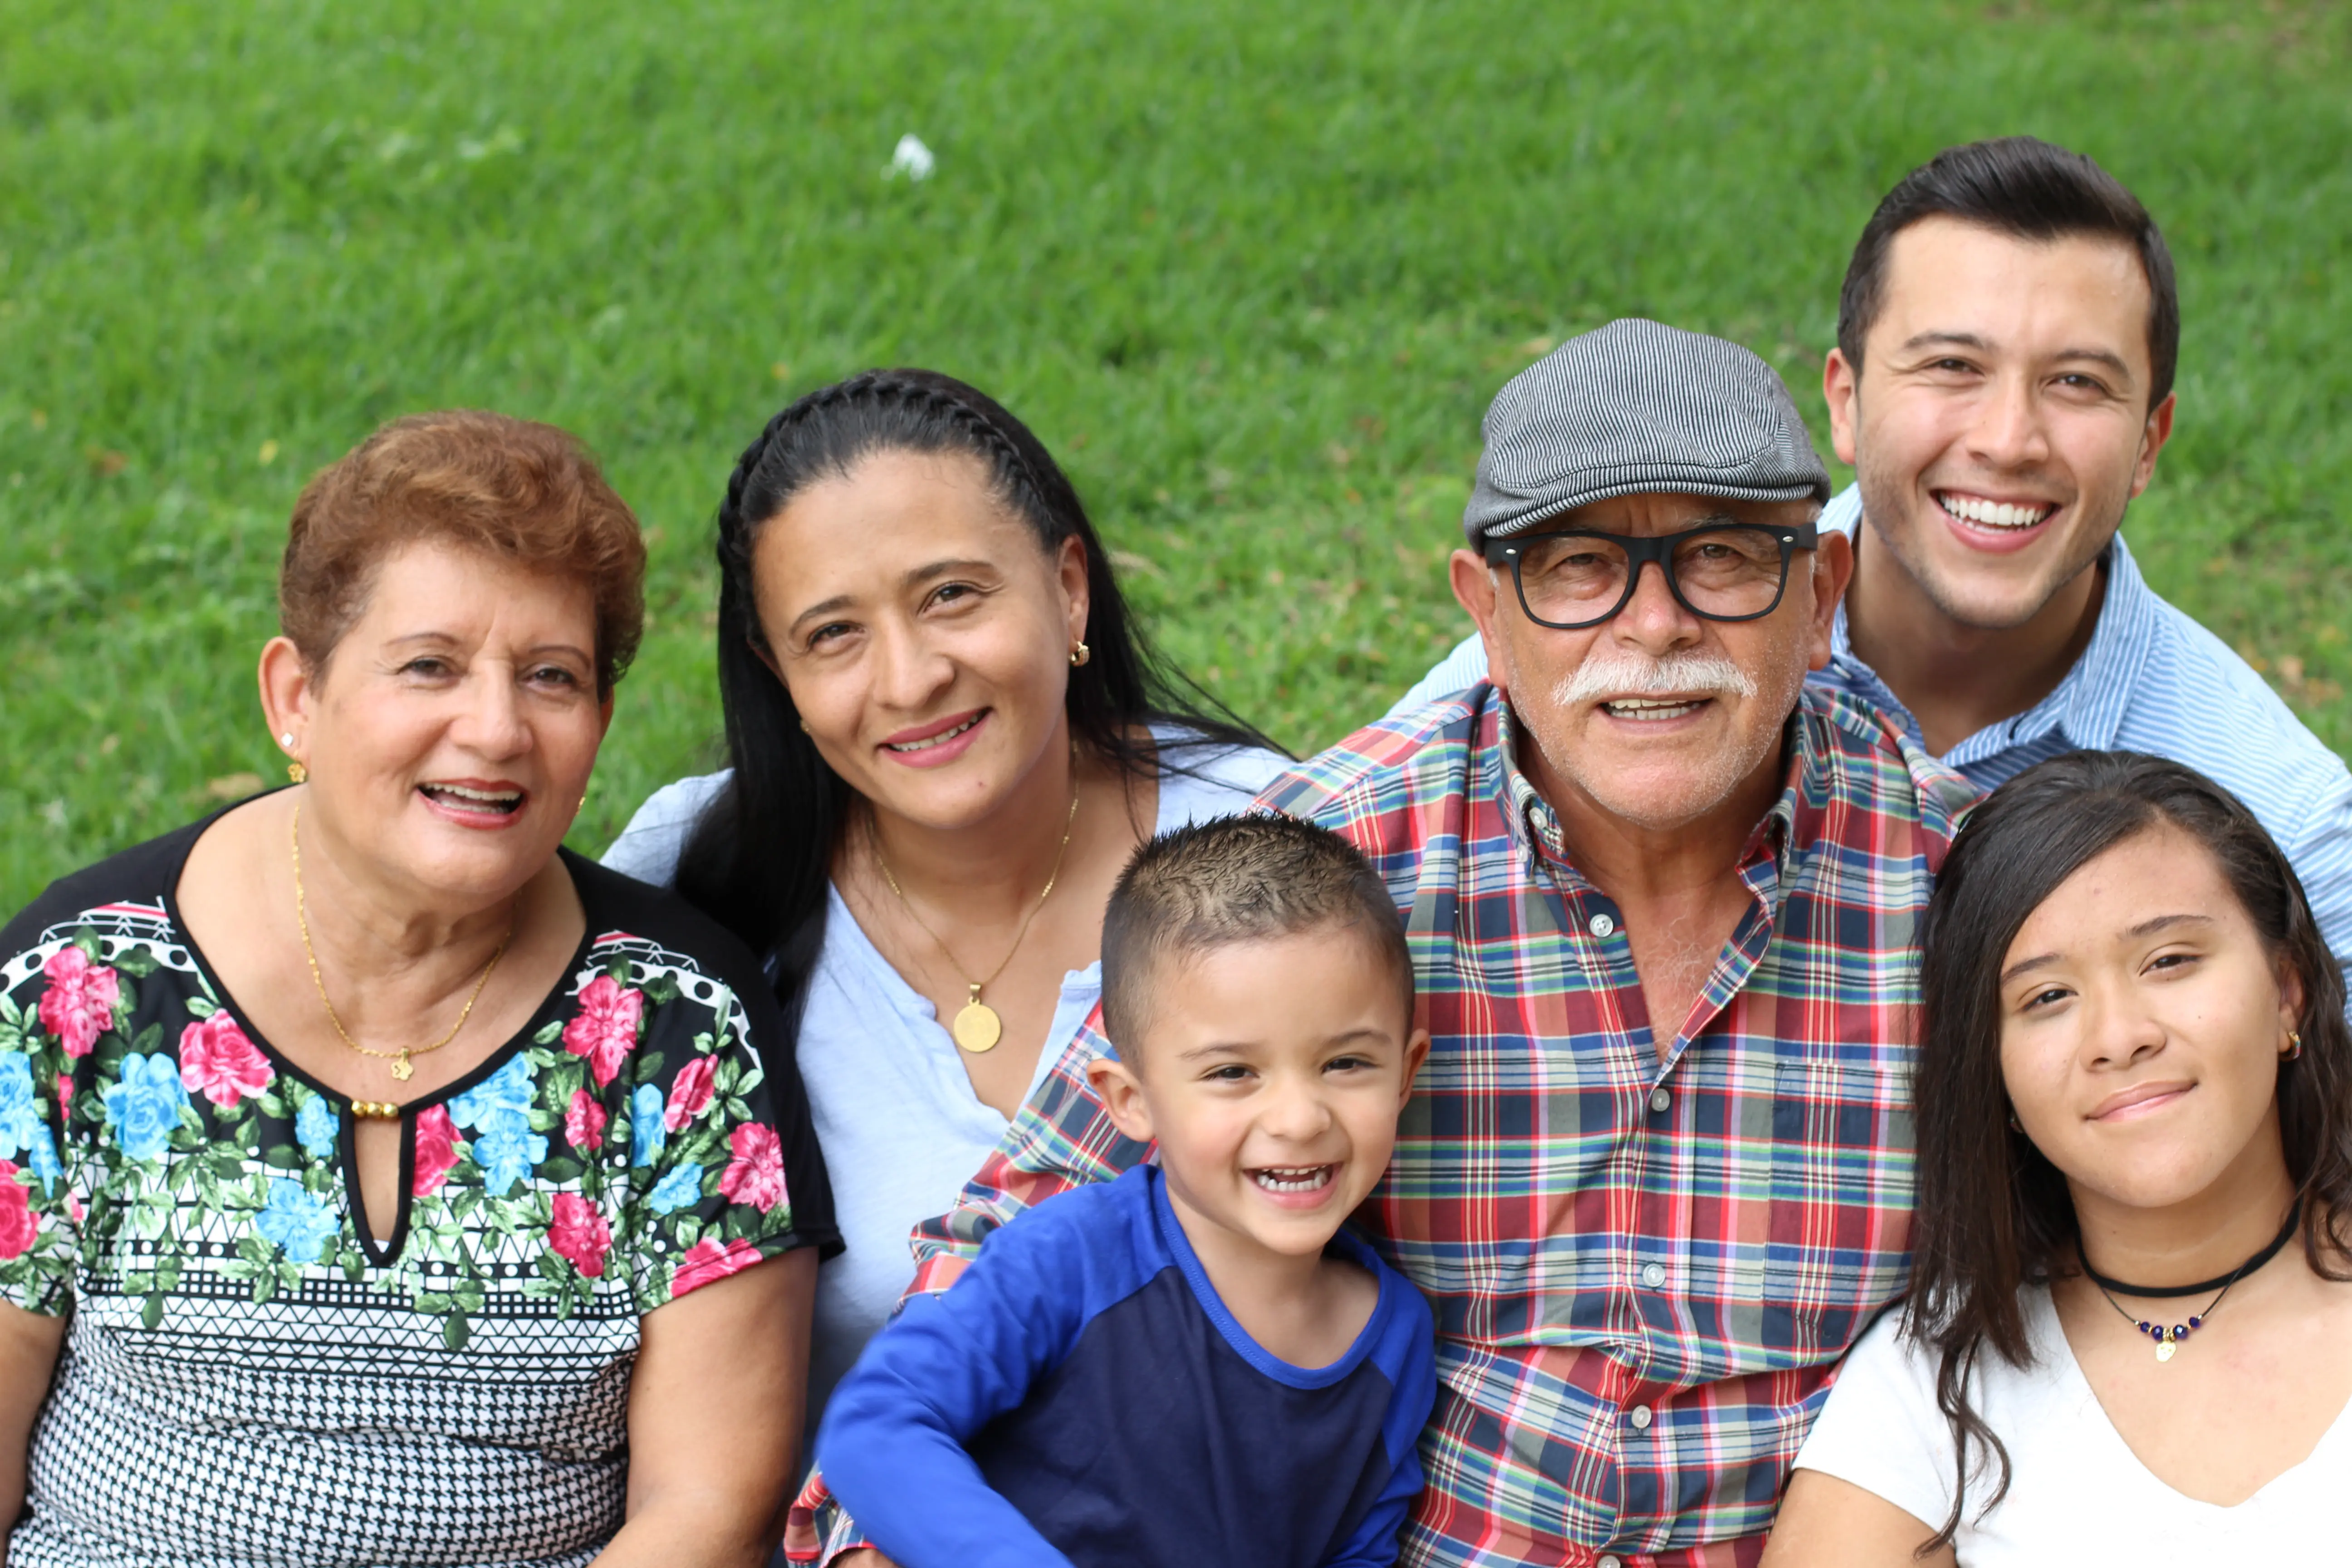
(249, 1375)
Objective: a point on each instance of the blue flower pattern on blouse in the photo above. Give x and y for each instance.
(680, 1189)
(509, 1089)
(316, 1128)
(647, 1133)
(43, 1158)
(297, 1221)
(20, 1118)
(506, 1150)
(145, 1108)
(499, 1109)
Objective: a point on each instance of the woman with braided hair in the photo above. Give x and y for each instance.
(946, 737)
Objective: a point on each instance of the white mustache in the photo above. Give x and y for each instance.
(1676, 674)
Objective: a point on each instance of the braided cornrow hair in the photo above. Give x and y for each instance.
(759, 859)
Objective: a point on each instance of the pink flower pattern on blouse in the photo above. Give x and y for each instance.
(710, 1260)
(17, 1223)
(690, 1093)
(578, 1234)
(583, 1124)
(605, 1030)
(756, 1174)
(80, 1004)
(436, 1151)
(218, 1062)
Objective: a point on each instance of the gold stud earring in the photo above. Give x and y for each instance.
(1079, 655)
(804, 729)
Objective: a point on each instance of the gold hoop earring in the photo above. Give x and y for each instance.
(298, 774)
(1079, 655)
(2294, 1046)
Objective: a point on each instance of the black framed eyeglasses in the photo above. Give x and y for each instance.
(1720, 572)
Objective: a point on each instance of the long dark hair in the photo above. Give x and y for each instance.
(1993, 1214)
(758, 859)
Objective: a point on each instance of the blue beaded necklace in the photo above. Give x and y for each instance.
(2168, 1337)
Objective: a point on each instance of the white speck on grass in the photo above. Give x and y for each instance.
(505, 139)
(910, 158)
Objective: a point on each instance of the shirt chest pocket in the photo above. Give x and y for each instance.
(1838, 1221)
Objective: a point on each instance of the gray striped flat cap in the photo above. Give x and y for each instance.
(1638, 407)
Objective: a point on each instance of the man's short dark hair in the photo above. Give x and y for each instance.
(2023, 186)
(1235, 880)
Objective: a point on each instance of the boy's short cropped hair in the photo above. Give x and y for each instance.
(1234, 879)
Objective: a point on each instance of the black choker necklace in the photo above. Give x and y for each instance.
(2168, 1340)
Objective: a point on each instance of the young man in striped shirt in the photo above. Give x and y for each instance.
(1660, 895)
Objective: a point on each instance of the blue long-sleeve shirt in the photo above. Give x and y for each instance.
(1082, 1397)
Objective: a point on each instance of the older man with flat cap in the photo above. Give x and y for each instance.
(1656, 1174)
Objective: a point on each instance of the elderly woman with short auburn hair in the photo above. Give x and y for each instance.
(421, 1192)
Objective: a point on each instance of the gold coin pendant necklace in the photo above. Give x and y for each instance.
(399, 1059)
(977, 1028)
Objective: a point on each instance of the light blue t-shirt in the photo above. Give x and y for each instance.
(2151, 681)
(901, 1129)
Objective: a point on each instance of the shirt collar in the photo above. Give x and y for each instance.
(1794, 818)
(2087, 706)
(2091, 700)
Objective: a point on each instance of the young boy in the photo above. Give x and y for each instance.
(1194, 1364)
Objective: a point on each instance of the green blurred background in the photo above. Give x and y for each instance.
(1253, 271)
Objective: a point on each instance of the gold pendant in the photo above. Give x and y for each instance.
(2164, 1350)
(977, 1028)
(400, 1070)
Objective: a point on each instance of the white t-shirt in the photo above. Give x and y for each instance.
(2077, 1494)
(901, 1129)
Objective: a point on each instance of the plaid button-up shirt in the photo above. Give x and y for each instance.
(1643, 1265)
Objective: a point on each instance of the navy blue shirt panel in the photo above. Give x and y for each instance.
(1238, 1469)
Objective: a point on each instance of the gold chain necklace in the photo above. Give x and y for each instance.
(977, 1028)
(399, 1059)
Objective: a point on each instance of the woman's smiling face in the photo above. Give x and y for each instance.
(450, 733)
(923, 633)
(2142, 1022)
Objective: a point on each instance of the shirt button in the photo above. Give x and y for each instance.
(1609, 1563)
(1660, 1099)
(1601, 925)
(1653, 1275)
(1640, 1417)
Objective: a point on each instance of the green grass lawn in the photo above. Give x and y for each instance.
(1253, 271)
